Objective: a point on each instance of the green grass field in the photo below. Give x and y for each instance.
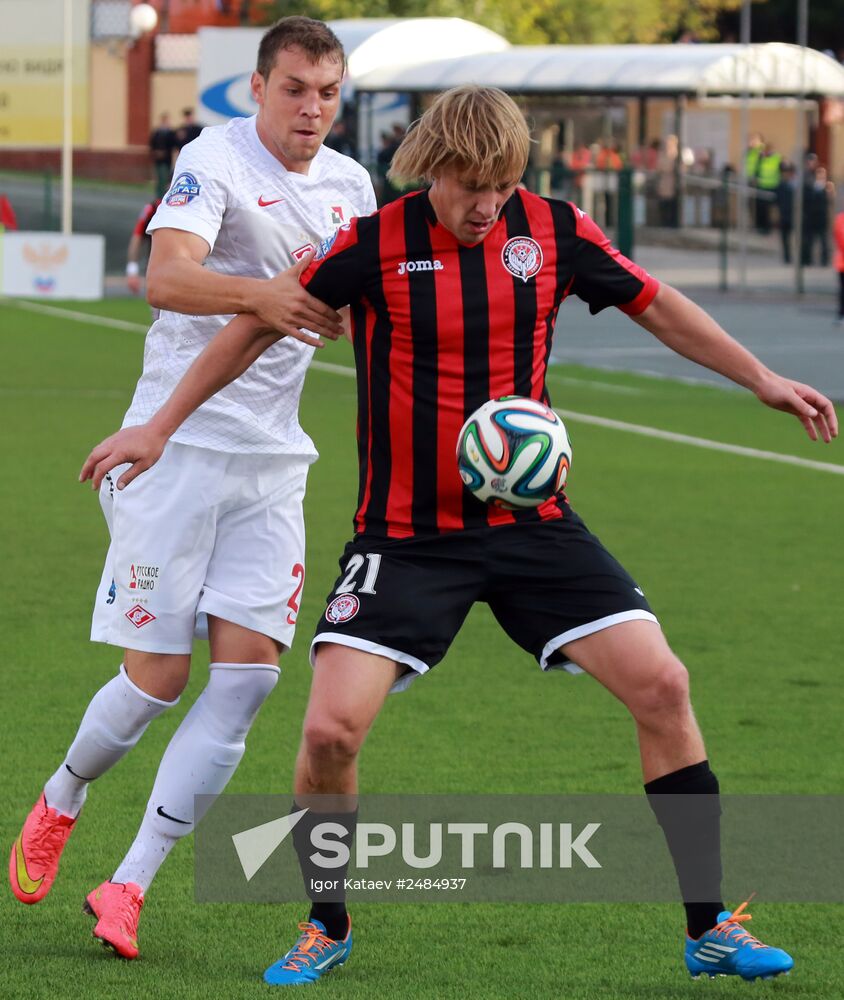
(743, 560)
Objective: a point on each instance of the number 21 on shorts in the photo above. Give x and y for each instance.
(298, 574)
(349, 584)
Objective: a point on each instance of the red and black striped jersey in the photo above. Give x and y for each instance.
(144, 219)
(440, 327)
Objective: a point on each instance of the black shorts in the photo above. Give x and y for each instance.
(547, 583)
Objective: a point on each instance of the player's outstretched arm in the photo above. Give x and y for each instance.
(225, 358)
(177, 281)
(687, 329)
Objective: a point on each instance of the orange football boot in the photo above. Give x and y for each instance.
(117, 908)
(34, 861)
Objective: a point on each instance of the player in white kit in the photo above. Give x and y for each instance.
(211, 541)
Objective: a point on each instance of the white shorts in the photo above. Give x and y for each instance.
(202, 533)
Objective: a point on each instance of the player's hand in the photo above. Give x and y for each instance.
(142, 446)
(285, 306)
(133, 283)
(812, 408)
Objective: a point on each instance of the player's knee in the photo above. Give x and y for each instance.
(161, 675)
(664, 694)
(332, 738)
(235, 693)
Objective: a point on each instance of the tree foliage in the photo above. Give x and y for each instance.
(541, 22)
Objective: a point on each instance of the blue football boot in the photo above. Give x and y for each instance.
(313, 955)
(730, 950)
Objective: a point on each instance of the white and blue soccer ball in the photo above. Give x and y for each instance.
(514, 452)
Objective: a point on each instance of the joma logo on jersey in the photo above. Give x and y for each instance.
(409, 266)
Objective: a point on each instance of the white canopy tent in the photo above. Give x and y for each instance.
(771, 69)
(227, 58)
(372, 43)
(227, 55)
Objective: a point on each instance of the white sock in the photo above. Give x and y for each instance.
(199, 760)
(113, 723)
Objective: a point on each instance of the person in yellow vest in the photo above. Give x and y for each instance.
(751, 168)
(768, 176)
(751, 157)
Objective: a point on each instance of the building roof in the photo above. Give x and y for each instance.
(773, 68)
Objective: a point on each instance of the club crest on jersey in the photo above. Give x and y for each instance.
(522, 256)
(342, 609)
(139, 616)
(185, 188)
(337, 215)
(302, 251)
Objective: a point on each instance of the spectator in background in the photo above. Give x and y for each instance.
(339, 140)
(753, 154)
(838, 233)
(666, 182)
(817, 198)
(8, 219)
(562, 177)
(389, 145)
(162, 142)
(785, 207)
(188, 130)
(767, 180)
(751, 168)
(137, 240)
(650, 156)
(608, 160)
(399, 131)
(581, 161)
(608, 156)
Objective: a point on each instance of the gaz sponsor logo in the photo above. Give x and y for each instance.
(522, 256)
(185, 188)
(142, 577)
(139, 616)
(342, 609)
(326, 244)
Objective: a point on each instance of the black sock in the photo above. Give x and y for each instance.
(327, 905)
(692, 828)
(333, 917)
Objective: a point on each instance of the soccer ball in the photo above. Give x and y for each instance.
(514, 452)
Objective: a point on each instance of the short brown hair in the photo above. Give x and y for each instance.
(477, 130)
(314, 38)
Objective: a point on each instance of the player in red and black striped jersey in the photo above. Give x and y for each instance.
(136, 241)
(454, 295)
(441, 325)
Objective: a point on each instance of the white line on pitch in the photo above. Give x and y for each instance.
(81, 317)
(655, 432)
(327, 366)
(696, 442)
(55, 392)
(624, 390)
(586, 418)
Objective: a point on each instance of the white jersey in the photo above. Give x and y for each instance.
(258, 218)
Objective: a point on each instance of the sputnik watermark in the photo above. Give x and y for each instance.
(511, 848)
(551, 846)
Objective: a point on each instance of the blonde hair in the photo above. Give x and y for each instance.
(476, 130)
